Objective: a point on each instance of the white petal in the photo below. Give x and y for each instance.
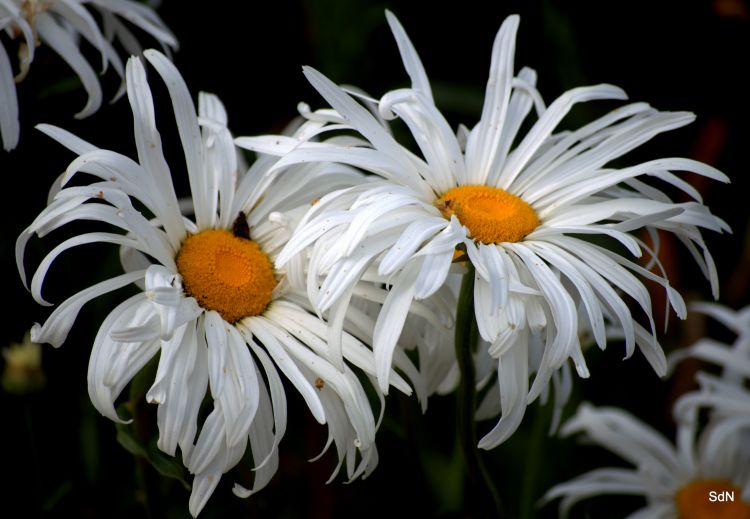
(366, 124)
(189, 130)
(204, 485)
(142, 16)
(79, 18)
(10, 128)
(312, 331)
(266, 332)
(410, 239)
(56, 327)
(391, 321)
(572, 269)
(410, 58)
(67, 139)
(626, 436)
(513, 384)
(263, 442)
(179, 389)
(241, 394)
(61, 42)
(524, 95)
(266, 460)
(432, 274)
(563, 312)
(484, 140)
(150, 154)
(547, 123)
(433, 134)
(82, 239)
(348, 270)
(104, 389)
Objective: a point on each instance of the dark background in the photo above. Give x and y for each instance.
(60, 458)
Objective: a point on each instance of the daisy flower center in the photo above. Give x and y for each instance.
(226, 273)
(30, 8)
(491, 214)
(696, 501)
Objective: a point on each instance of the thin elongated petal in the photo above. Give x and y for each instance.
(241, 402)
(83, 22)
(513, 381)
(188, 128)
(367, 124)
(409, 56)
(98, 237)
(546, 124)
(281, 357)
(483, 143)
(391, 320)
(150, 154)
(179, 388)
(10, 127)
(60, 41)
(103, 385)
(264, 444)
(56, 327)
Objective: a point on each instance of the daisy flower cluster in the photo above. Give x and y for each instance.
(706, 474)
(372, 247)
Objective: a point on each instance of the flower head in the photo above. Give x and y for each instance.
(676, 480)
(679, 481)
(61, 25)
(23, 372)
(519, 206)
(221, 319)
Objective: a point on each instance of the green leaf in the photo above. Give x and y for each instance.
(129, 442)
(167, 465)
(164, 464)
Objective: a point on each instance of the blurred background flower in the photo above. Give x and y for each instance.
(674, 55)
(22, 373)
(676, 481)
(62, 26)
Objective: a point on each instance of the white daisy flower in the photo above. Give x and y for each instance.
(676, 480)
(212, 307)
(519, 206)
(61, 24)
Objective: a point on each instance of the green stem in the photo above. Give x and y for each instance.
(466, 339)
(145, 471)
(143, 419)
(32, 447)
(533, 454)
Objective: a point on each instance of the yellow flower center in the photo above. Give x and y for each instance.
(711, 499)
(226, 273)
(491, 214)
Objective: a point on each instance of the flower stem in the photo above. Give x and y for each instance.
(533, 455)
(143, 419)
(149, 496)
(466, 339)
